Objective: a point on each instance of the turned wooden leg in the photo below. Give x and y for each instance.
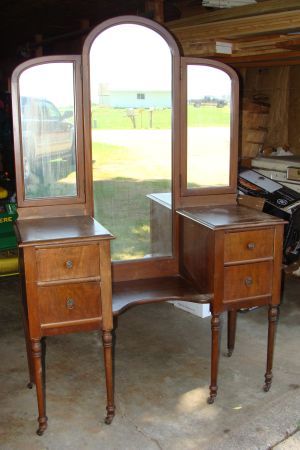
(215, 331)
(29, 354)
(107, 338)
(36, 348)
(231, 329)
(273, 317)
(28, 345)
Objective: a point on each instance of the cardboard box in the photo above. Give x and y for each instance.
(200, 310)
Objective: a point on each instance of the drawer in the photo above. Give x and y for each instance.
(247, 245)
(247, 280)
(66, 262)
(69, 302)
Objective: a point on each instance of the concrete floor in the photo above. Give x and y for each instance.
(162, 377)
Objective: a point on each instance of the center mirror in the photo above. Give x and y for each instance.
(131, 117)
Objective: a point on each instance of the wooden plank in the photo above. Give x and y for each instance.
(247, 26)
(250, 45)
(267, 7)
(238, 54)
(209, 50)
(293, 44)
(268, 63)
(261, 41)
(288, 58)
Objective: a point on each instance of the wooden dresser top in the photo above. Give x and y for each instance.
(31, 231)
(229, 216)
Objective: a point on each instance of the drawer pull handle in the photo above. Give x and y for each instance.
(251, 245)
(70, 303)
(248, 281)
(69, 264)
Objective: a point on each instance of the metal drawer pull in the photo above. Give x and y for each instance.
(248, 281)
(251, 245)
(69, 264)
(70, 303)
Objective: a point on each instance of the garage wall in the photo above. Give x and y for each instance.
(278, 87)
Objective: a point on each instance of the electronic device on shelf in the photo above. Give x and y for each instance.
(280, 201)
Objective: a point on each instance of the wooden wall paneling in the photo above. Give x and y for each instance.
(279, 111)
(254, 121)
(294, 109)
(272, 85)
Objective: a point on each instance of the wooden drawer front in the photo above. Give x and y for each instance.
(67, 262)
(247, 280)
(68, 302)
(247, 245)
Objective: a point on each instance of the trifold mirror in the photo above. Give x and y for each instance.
(160, 132)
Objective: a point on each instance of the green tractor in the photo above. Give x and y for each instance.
(8, 241)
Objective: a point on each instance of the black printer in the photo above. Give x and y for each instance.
(280, 201)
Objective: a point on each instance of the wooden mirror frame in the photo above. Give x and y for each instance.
(218, 194)
(49, 206)
(147, 267)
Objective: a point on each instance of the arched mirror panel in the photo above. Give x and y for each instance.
(50, 142)
(209, 127)
(131, 117)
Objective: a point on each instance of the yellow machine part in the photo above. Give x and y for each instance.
(3, 192)
(9, 266)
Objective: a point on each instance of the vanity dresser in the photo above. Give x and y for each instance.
(103, 140)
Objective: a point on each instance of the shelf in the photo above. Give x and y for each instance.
(154, 290)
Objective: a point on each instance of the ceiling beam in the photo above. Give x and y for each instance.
(266, 7)
(236, 28)
(262, 60)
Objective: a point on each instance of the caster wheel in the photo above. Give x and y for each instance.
(108, 420)
(210, 400)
